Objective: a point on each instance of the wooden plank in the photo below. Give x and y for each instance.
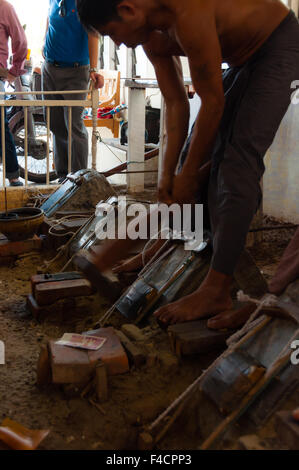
(44, 278)
(135, 354)
(231, 379)
(101, 382)
(69, 365)
(48, 293)
(195, 338)
(19, 196)
(273, 397)
(111, 353)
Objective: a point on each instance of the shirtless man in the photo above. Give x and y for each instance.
(238, 119)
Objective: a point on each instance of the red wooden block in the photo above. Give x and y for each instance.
(8, 248)
(69, 365)
(49, 292)
(111, 353)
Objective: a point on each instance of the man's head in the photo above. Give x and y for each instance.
(125, 21)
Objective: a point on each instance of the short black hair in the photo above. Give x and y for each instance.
(95, 13)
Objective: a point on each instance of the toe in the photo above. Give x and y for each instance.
(220, 321)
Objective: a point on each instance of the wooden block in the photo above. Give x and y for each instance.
(287, 429)
(231, 379)
(101, 382)
(19, 196)
(61, 307)
(195, 338)
(43, 278)
(111, 353)
(48, 293)
(133, 332)
(8, 248)
(44, 374)
(135, 354)
(273, 396)
(69, 365)
(34, 308)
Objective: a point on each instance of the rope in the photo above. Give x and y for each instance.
(58, 222)
(267, 300)
(99, 138)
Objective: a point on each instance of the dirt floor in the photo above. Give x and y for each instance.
(135, 398)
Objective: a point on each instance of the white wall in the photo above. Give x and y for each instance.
(281, 180)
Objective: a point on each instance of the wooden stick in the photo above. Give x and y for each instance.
(274, 369)
(98, 407)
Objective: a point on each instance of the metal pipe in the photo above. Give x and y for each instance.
(70, 139)
(94, 105)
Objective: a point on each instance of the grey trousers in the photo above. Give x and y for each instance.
(59, 79)
(257, 96)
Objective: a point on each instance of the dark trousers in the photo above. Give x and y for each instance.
(12, 167)
(257, 96)
(63, 79)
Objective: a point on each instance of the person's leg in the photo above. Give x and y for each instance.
(234, 192)
(77, 79)
(12, 166)
(52, 80)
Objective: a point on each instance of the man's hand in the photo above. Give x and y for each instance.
(10, 78)
(97, 79)
(186, 185)
(165, 189)
(185, 188)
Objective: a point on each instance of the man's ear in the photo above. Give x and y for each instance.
(127, 10)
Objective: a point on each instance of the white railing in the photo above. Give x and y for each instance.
(92, 103)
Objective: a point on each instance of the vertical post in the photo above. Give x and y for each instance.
(136, 131)
(3, 143)
(94, 144)
(162, 137)
(26, 144)
(111, 55)
(70, 139)
(48, 144)
(129, 63)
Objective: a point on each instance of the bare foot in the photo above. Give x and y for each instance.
(232, 318)
(211, 298)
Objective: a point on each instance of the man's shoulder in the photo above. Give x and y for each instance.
(7, 9)
(6, 6)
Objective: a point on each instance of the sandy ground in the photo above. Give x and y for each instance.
(135, 398)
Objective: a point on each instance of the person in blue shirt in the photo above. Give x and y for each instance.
(71, 58)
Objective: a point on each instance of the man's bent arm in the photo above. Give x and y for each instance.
(201, 45)
(170, 79)
(18, 43)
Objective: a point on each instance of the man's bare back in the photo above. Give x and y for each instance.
(242, 26)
